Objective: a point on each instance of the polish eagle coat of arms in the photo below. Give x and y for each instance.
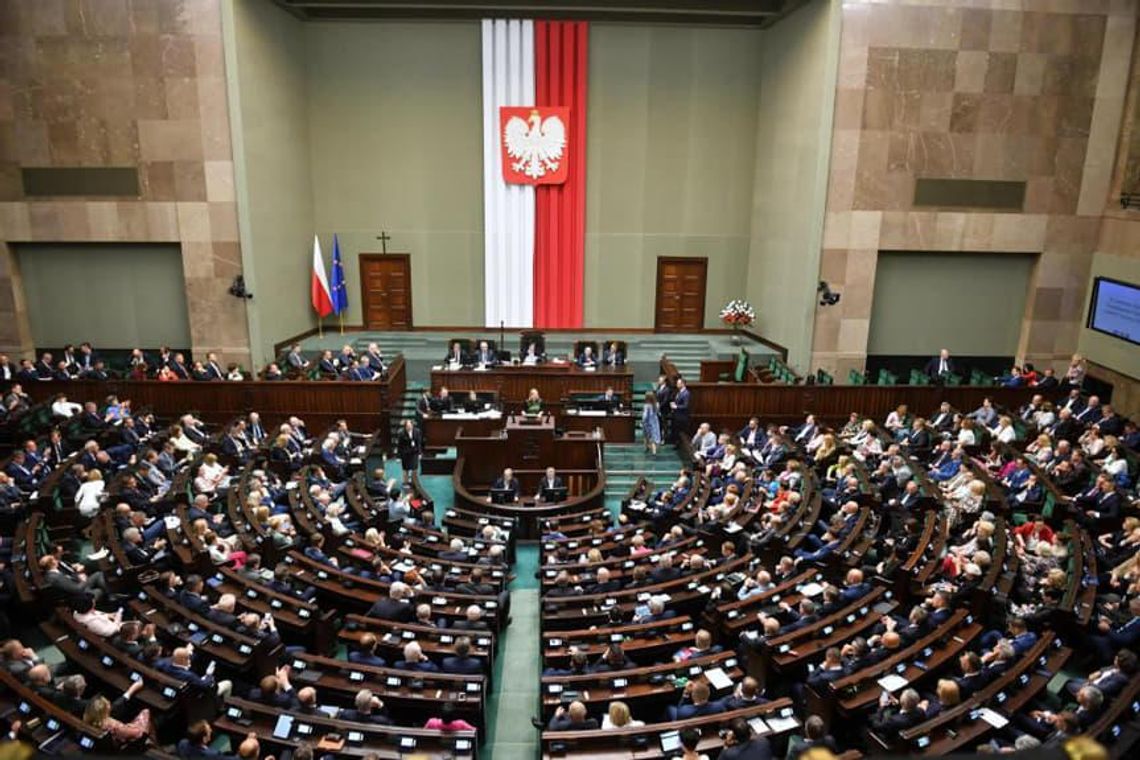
(534, 143)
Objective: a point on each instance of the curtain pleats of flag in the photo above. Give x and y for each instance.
(561, 56)
(508, 210)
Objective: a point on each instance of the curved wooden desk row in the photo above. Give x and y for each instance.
(320, 403)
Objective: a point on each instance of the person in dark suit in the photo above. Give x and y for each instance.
(394, 607)
(327, 365)
(409, 445)
(572, 718)
(694, 702)
(741, 744)
(462, 662)
(586, 359)
(213, 369)
(455, 357)
(891, 718)
(415, 659)
(484, 356)
(472, 620)
(507, 482)
(550, 481)
(45, 367)
(197, 743)
(375, 360)
(613, 356)
(940, 366)
(178, 367)
(365, 652)
(1111, 680)
(367, 708)
(679, 406)
(27, 372)
(1111, 637)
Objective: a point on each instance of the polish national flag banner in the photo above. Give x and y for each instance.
(319, 290)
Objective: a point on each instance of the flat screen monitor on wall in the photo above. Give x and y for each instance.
(1115, 309)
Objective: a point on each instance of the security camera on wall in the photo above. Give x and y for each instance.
(826, 296)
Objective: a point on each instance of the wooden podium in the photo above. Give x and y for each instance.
(529, 445)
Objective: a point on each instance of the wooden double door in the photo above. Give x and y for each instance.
(681, 294)
(386, 290)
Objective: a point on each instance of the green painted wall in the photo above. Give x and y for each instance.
(797, 89)
(970, 303)
(1105, 350)
(671, 142)
(395, 123)
(142, 299)
(265, 68)
(390, 117)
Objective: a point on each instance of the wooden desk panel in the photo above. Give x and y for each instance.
(320, 403)
(553, 381)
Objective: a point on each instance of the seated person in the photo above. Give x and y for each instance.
(898, 715)
(455, 357)
(484, 356)
(532, 355)
(509, 484)
(443, 403)
(587, 360)
(572, 718)
(533, 403)
(610, 401)
(550, 482)
(613, 356)
(695, 702)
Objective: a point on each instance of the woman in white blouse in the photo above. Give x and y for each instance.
(1075, 374)
(1092, 443)
(181, 442)
(619, 717)
(87, 498)
(1005, 432)
(211, 476)
(966, 434)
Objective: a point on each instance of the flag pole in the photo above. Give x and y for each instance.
(340, 318)
(320, 327)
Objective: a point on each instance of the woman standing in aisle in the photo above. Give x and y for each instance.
(651, 423)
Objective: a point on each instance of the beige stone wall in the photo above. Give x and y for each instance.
(123, 83)
(977, 89)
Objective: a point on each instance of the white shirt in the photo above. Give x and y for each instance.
(87, 497)
(100, 623)
(65, 408)
(1007, 434)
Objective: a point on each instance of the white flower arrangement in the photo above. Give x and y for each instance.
(738, 313)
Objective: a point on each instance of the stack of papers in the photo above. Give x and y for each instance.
(892, 682)
(718, 679)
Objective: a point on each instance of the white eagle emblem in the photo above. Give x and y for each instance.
(536, 148)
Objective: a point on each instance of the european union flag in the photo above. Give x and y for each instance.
(338, 296)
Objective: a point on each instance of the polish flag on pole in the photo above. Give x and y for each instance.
(322, 301)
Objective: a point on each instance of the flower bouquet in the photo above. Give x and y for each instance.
(737, 314)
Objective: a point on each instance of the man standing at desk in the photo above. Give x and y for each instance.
(508, 485)
(550, 483)
(587, 360)
(485, 357)
(455, 358)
